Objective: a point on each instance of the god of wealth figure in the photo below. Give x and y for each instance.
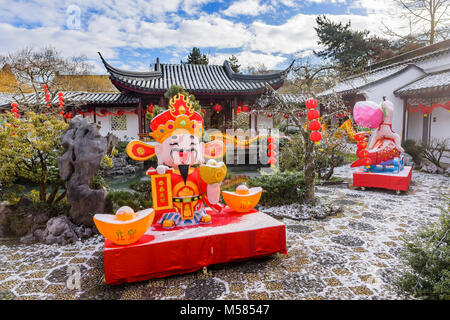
(180, 199)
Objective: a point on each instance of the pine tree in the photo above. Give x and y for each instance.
(196, 57)
(349, 48)
(234, 63)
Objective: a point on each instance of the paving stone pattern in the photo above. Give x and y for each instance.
(347, 256)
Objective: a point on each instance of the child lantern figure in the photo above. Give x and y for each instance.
(179, 189)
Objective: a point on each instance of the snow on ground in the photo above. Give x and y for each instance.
(346, 256)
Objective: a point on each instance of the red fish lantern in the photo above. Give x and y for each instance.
(217, 108)
(359, 136)
(362, 153)
(361, 145)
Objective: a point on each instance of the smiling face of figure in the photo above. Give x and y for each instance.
(181, 148)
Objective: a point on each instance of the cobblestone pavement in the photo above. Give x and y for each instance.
(347, 256)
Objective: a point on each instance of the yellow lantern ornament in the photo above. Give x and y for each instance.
(244, 199)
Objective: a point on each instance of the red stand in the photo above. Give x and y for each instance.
(162, 252)
(386, 180)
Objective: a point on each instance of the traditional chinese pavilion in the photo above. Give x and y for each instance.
(124, 112)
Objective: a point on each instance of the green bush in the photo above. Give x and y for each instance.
(142, 186)
(135, 200)
(280, 187)
(292, 155)
(427, 254)
(413, 149)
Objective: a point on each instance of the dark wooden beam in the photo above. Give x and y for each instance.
(405, 107)
(139, 111)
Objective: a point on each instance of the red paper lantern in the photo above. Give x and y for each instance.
(150, 108)
(14, 110)
(217, 108)
(314, 125)
(203, 111)
(270, 139)
(61, 113)
(269, 115)
(70, 116)
(14, 105)
(311, 103)
(272, 161)
(271, 153)
(60, 94)
(245, 108)
(104, 111)
(315, 136)
(286, 116)
(120, 113)
(313, 114)
(238, 111)
(271, 146)
(300, 114)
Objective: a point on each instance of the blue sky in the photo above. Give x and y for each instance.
(131, 34)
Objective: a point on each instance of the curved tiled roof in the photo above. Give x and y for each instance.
(193, 78)
(433, 82)
(83, 98)
(353, 84)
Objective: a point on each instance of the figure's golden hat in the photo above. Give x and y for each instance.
(181, 116)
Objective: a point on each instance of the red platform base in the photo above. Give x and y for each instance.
(160, 252)
(386, 180)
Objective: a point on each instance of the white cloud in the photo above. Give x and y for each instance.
(248, 58)
(155, 24)
(247, 7)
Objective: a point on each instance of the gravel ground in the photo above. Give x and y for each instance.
(346, 256)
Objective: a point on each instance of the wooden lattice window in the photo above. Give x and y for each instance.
(118, 123)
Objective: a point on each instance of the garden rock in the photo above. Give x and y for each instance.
(432, 168)
(85, 147)
(58, 230)
(409, 160)
(122, 165)
(28, 239)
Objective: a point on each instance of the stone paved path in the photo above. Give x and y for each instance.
(347, 256)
